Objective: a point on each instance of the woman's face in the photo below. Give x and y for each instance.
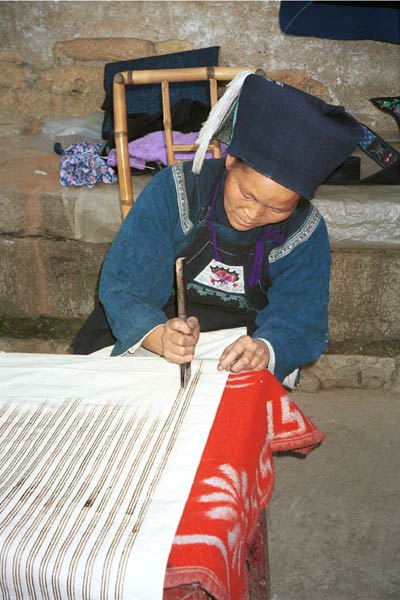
(253, 200)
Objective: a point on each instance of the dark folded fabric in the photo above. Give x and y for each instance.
(340, 20)
(348, 171)
(378, 150)
(95, 333)
(147, 98)
(388, 176)
(349, 174)
(186, 115)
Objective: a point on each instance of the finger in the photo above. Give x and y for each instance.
(228, 358)
(233, 352)
(243, 363)
(181, 341)
(193, 323)
(178, 359)
(179, 325)
(244, 354)
(180, 347)
(253, 359)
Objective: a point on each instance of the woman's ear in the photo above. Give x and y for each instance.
(229, 162)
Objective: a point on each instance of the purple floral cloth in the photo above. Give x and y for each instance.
(153, 148)
(81, 164)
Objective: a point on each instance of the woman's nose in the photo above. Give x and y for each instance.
(253, 213)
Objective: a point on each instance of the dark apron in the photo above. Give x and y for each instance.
(217, 277)
(218, 289)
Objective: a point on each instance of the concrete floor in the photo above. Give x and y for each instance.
(334, 519)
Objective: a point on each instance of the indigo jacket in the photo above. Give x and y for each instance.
(138, 273)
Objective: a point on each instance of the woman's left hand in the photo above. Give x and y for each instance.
(245, 354)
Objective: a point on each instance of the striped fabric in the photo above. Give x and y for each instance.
(97, 456)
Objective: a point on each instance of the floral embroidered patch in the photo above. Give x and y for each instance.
(222, 277)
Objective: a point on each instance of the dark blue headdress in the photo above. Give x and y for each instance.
(286, 134)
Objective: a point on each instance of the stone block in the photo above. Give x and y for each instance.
(364, 295)
(337, 371)
(396, 377)
(300, 79)
(12, 125)
(349, 371)
(25, 214)
(48, 277)
(13, 76)
(360, 216)
(377, 372)
(30, 168)
(10, 57)
(170, 46)
(309, 380)
(33, 203)
(94, 215)
(74, 78)
(40, 104)
(107, 49)
(34, 346)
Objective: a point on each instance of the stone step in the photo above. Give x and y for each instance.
(53, 241)
(33, 202)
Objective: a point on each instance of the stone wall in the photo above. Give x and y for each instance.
(52, 57)
(53, 241)
(52, 54)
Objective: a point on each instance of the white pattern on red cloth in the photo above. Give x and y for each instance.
(234, 483)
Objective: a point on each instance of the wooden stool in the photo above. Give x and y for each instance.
(164, 77)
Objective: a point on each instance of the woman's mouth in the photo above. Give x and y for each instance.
(246, 224)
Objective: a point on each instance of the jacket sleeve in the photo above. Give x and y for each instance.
(295, 321)
(137, 275)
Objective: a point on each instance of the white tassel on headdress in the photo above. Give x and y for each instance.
(216, 117)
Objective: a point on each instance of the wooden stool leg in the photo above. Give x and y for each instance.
(258, 563)
(186, 592)
(121, 145)
(167, 122)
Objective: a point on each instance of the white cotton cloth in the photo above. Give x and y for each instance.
(97, 458)
(210, 346)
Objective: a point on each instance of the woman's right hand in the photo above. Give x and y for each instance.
(175, 340)
(179, 339)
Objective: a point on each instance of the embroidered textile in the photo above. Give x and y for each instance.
(389, 105)
(378, 149)
(81, 164)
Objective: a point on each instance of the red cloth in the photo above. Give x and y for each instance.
(234, 482)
